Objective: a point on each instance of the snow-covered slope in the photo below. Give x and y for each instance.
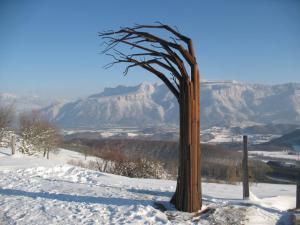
(39, 191)
(223, 103)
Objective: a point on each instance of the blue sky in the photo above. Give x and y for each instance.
(51, 48)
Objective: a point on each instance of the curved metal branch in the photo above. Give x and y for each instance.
(182, 37)
(153, 38)
(146, 65)
(168, 55)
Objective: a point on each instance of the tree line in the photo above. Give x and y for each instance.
(219, 164)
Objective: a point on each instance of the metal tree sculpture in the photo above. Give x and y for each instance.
(159, 55)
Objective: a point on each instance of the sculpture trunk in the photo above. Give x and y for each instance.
(188, 191)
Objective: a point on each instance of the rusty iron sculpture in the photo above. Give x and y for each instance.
(161, 49)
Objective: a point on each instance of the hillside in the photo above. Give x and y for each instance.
(290, 140)
(39, 191)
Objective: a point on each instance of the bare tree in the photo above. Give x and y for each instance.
(50, 137)
(38, 134)
(29, 132)
(6, 117)
(161, 49)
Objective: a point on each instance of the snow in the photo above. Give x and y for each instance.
(65, 156)
(275, 154)
(38, 191)
(108, 132)
(226, 135)
(132, 134)
(24, 161)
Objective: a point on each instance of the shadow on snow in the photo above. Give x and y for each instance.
(152, 192)
(76, 198)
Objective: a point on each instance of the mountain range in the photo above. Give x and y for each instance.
(223, 103)
(23, 103)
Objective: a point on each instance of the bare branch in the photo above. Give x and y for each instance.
(146, 65)
(152, 51)
(153, 38)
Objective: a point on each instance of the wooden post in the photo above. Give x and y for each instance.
(13, 144)
(298, 196)
(245, 169)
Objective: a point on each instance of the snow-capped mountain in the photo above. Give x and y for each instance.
(247, 104)
(145, 104)
(223, 103)
(23, 103)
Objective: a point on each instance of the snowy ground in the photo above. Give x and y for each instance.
(39, 191)
(22, 161)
